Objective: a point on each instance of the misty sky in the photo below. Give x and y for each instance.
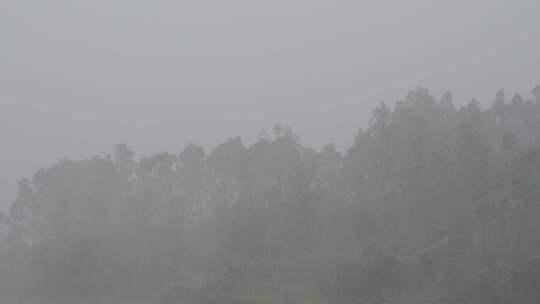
(76, 77)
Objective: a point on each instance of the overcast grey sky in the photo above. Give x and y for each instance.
(76, 77)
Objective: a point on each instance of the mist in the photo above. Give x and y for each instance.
(77, 78)
(312, 148)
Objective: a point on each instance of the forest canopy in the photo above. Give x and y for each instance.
(431, 204)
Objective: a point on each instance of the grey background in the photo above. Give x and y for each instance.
(76, 77)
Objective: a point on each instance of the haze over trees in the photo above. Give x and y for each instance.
(431, 204)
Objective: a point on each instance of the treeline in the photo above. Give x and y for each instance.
(431, 204)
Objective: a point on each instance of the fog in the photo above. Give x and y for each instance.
(78, 80)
